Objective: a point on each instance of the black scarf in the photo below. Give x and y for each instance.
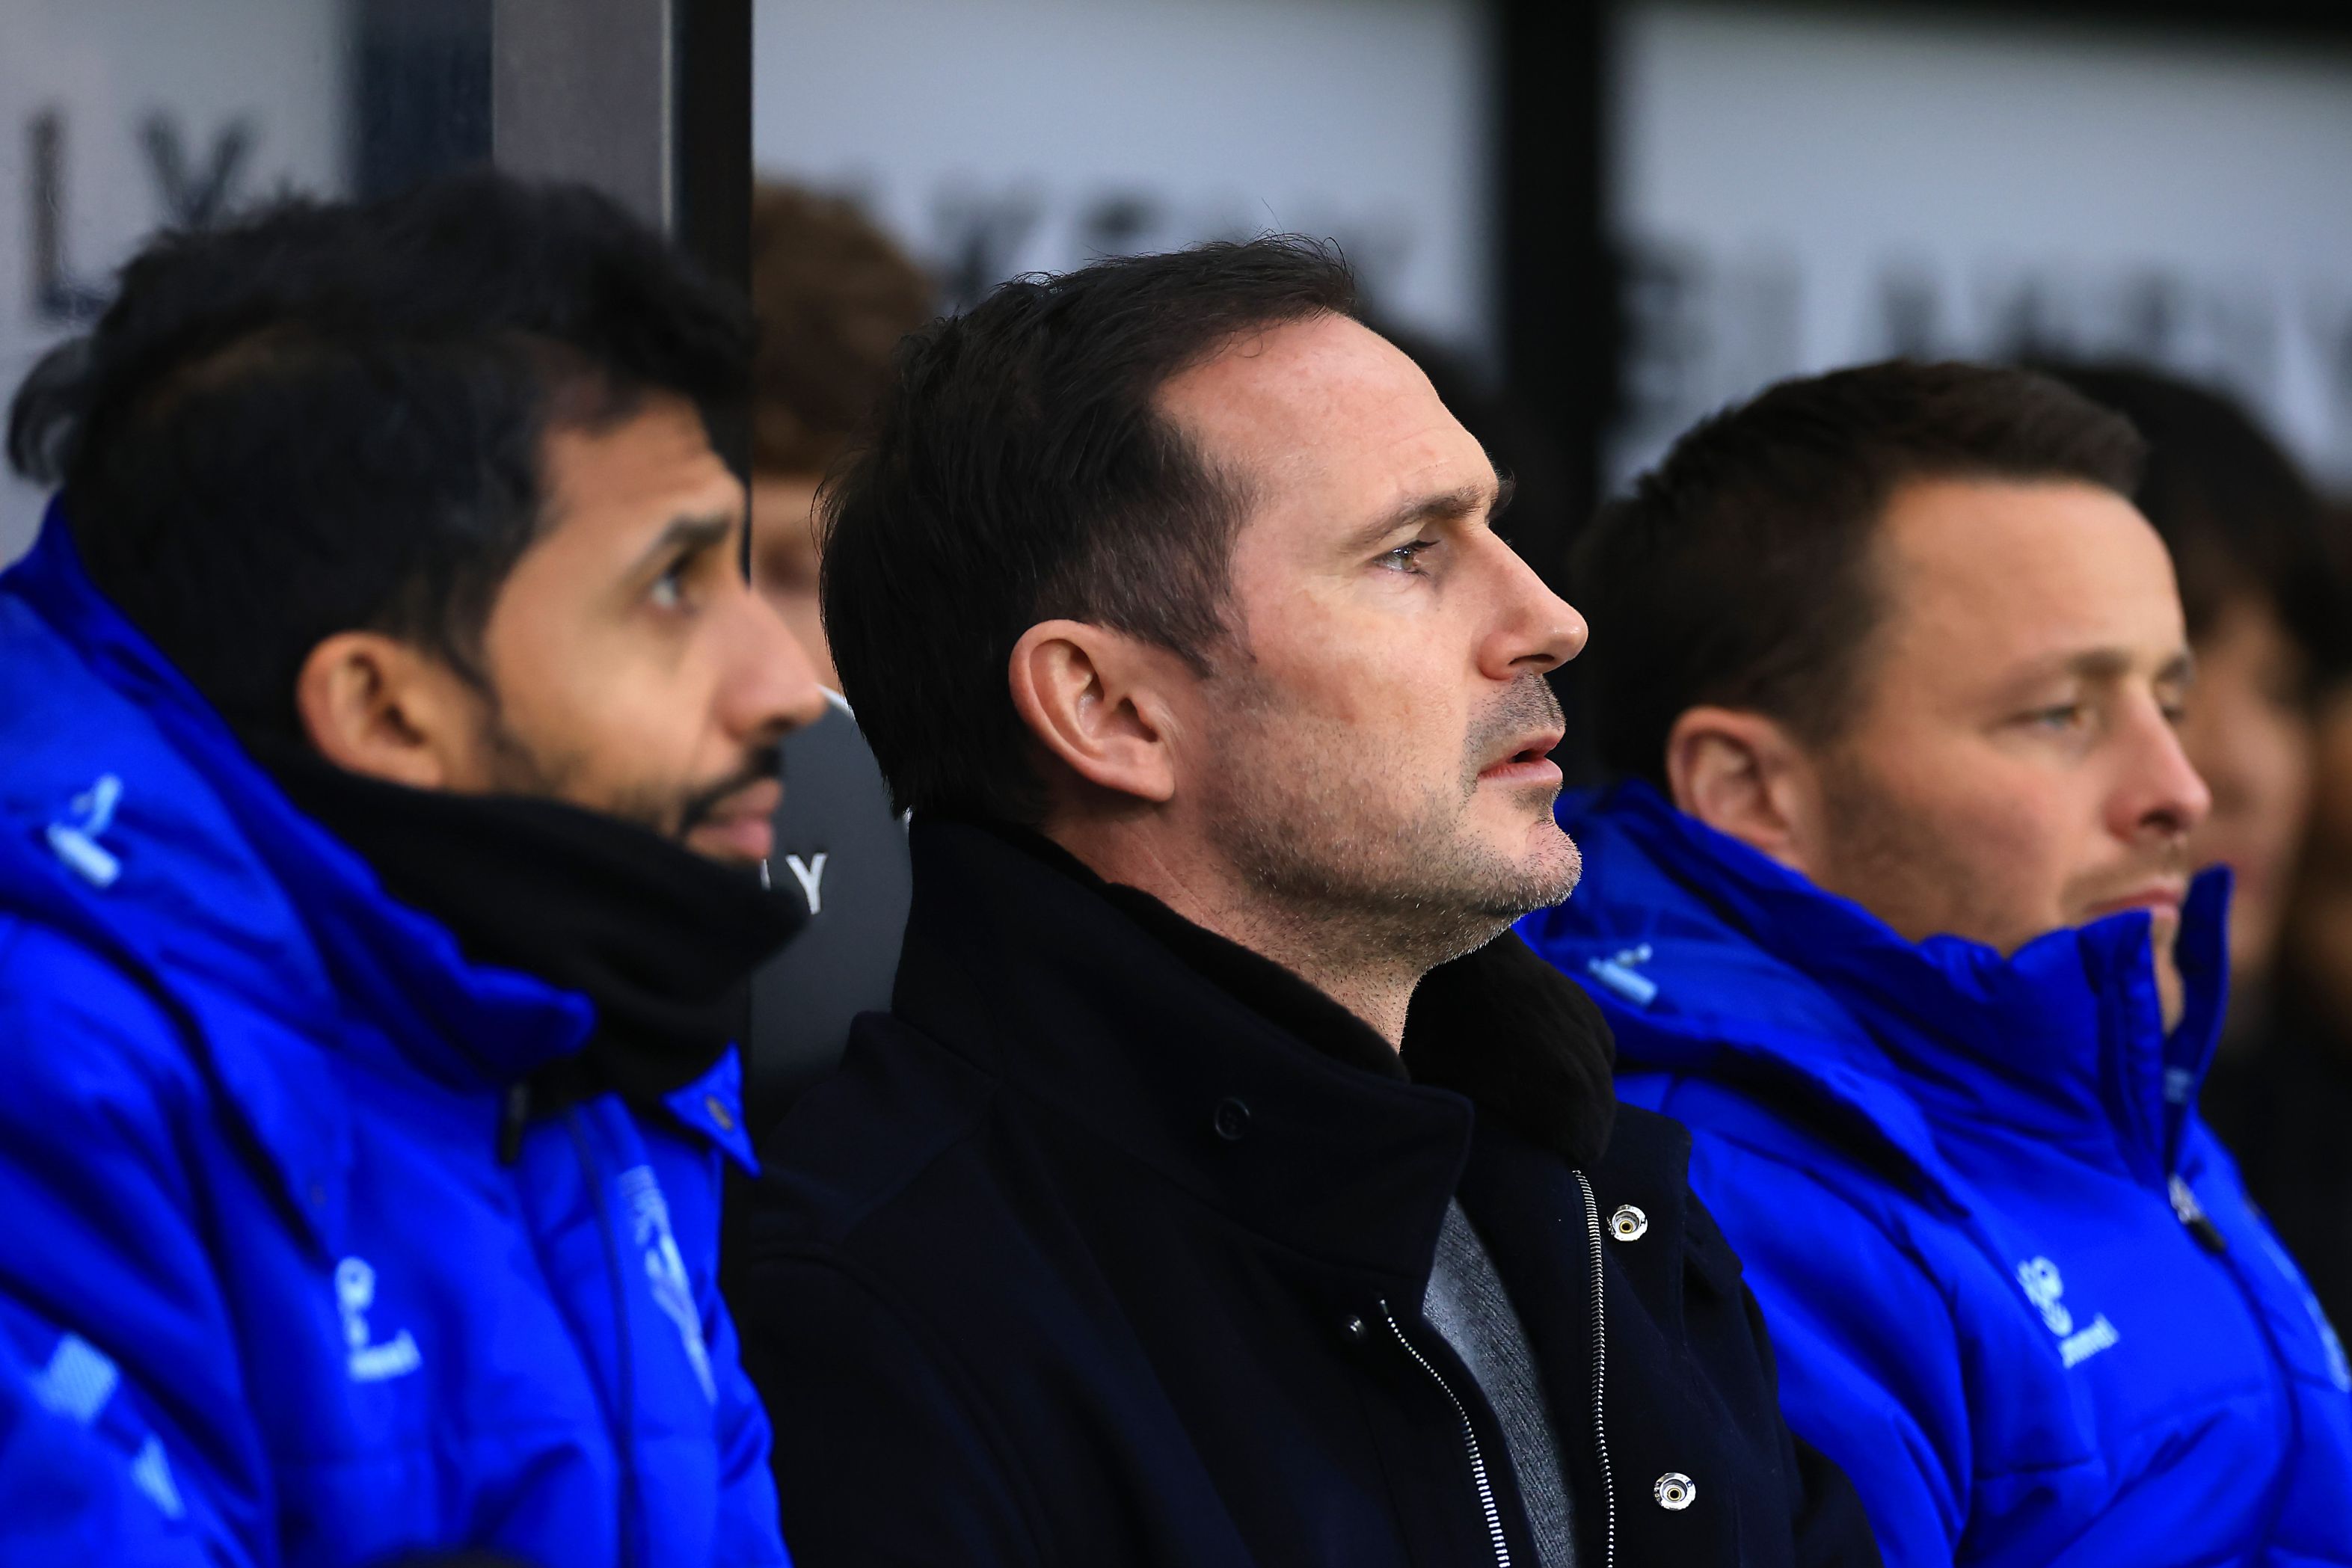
(661, 940)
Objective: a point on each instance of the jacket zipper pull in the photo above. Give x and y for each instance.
(511, 1117)
(2193, 1214)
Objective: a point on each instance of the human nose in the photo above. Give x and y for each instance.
(1536, 630)
(770, 687)
(2160, 794)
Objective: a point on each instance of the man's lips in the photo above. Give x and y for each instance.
(1528, 762)
(742, 826)
(2165, 896)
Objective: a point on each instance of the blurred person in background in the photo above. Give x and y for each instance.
(1226, 1185)
(2286, 1096)
(834, 296)
(1892, 908)
(391, 738)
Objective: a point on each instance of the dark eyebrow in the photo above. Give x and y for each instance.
(1507, 490)
(689, 536)
(2113, 664)
(2100, 663)
(1444, 507)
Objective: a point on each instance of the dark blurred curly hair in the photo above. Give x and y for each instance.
(833, 295)
(330, 415)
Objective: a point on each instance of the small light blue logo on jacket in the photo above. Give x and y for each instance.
(666, 1269)
(77, 1383)
(1618, 974)
(370, 1360)
(2043, 1287)
(74, 838)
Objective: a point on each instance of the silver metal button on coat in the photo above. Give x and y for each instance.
(1628, 1224)
(1675, 1491)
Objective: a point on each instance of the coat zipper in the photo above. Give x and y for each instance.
(2192, 1214)
(1486, 1504)
(1600, 1376)
(622, 1414)
(2199, 1224)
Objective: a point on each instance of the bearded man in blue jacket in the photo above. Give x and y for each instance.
(1892, 908)
(391, 743)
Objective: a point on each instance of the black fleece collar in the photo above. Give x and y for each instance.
(1500, 1026)
(1285, 999)
(1188, 1050)
(1523, 1043)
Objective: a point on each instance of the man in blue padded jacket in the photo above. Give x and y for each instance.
(1892, 909)
(391, 744)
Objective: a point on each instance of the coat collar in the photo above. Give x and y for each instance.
(1705, 946)
(1028, 966)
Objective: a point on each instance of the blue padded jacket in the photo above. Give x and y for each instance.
(269, 1296)
(2017, 1290)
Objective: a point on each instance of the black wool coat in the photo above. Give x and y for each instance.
(1082, 1261)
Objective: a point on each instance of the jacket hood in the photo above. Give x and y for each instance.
(1711, 959)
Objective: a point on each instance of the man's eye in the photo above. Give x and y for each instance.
(669, 590)
(1406, 558)
(2062, 715)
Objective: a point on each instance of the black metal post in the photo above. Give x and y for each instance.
(713, 140)
(1559, 290)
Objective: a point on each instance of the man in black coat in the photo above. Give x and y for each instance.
(1225, 1187)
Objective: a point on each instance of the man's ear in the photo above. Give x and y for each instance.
(1745, 775)
(376, 705)
(1092, 698)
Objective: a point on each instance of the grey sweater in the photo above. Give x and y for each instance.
(1467, 1305)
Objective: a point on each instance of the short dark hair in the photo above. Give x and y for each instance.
(329, 416)
(1737, 571)
(1017, 471)
(833, 295)
(2241, 520)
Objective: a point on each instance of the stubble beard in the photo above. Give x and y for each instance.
(1359, 865)
(1894, 862)
(1887, 857)
(519, 769)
